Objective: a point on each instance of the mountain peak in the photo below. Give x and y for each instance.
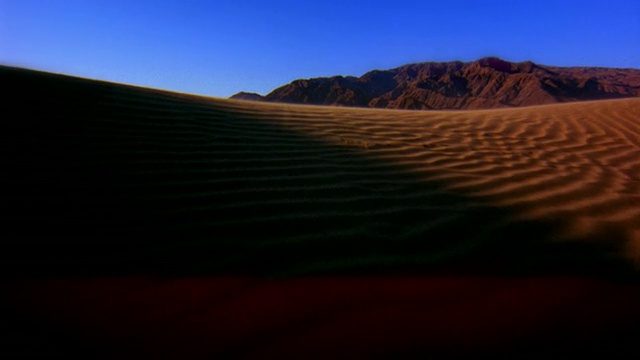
(242, 95)
(505, 66)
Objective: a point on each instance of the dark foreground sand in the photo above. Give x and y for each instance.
(149, 223)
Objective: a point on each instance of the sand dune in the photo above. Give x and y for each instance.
(575, 164)
(114, 187)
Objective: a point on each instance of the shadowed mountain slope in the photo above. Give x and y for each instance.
(486, 83)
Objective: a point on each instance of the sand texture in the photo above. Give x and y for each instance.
(223, 227)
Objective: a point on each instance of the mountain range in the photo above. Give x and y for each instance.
(486, 83)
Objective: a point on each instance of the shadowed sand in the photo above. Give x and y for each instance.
(188, 221)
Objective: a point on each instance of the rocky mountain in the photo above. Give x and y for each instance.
(486, 83)
(247, 96)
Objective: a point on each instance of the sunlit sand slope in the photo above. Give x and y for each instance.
(573, 167)
(577, 165)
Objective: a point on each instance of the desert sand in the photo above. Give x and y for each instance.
(147, 222)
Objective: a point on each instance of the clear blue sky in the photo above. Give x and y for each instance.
(220, 47)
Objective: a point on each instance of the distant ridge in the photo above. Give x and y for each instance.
(483, 84)
(247, 96)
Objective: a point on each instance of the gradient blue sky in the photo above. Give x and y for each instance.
(221, 47)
